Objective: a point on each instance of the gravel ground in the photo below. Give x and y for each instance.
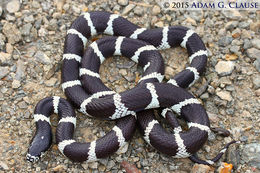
(32, 34)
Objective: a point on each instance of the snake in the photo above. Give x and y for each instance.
(87, 93)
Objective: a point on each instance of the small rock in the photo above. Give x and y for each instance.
(204, 96)
(110, 164)
(4, 57)
(9, 48)
(224, 68)
(253, 53)
(159, 24)
(42, 57)
(123, 2)
(245, 34)
(123, 149)
(16, 84)
(12, 33)
(139, 10)
(224, 95)
(59, 4)
(256, 43)
(42, 32)
(236, 33)
(232, 14)
(256, 81)
(247, 44)
(191, 21)
(59, 168)
(66, 7)
(231, 57)
(76, 9)
(29, 19)
(156, 10)
(128, 8)
(235, 49)
(1, 11)
(51, 82)
(233, 155)
(224, 41)
(222, 32)
(255, 26)
(257, 64)
(26, 29)
(231, 25)
(257, 92)
(123, 72)
(131, 167)
(251, 154)
(13, 6)
(3, 71)
(93, 165)
(4, 166)
(36, 4)
(199, 168)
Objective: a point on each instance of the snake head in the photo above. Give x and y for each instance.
(41, 142)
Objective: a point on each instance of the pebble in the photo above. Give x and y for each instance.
(16, 84)
(247, 44)
(36, 4)
(253, 53)
(13, 6)
(251, 154)
(257, 92)
(59, 168)
(5, 57)
(1, 11)
(224, 68)
(256, 43)
(257, 64)
(231, 57)
(29, 19)
(51, 82)
(123, 2)
(12, 33)
(26, 29)
(235, 49)
(224, 95)
(123, 149)
(199, 168)
(156, 10)
(256, 81)
(232, 14)
(128, 8)
(123, 72)
(110, 164)
(255, 26)
(3, 71)
(4, 166)
(139, 10)
(93, 165)
(246, 34)
(231, 25)
(224, 41)
(204, 96)
(9, 48)
(42, 57)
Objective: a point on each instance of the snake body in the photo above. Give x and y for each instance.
(84, 89)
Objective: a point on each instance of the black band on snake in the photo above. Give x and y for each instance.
(84, 89)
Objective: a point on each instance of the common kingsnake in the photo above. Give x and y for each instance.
(84, 89)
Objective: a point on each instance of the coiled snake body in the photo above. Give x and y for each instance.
(84, 89)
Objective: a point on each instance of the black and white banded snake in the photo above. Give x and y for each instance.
(84, 89)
